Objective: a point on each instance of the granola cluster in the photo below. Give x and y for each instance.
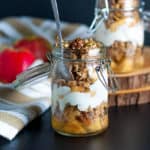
(74, 121)
(119, 50)
(119, 17)
(125, 56)
(80, 77)
(79, 48)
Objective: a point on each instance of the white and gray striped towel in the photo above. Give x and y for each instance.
(19, 107)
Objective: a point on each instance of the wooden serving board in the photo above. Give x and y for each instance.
(134, 86)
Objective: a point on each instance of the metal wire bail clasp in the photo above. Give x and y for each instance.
(100, 16)
(113, 83)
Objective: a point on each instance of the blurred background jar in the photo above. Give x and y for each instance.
(123, 33)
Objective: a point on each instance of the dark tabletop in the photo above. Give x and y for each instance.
(129, 130)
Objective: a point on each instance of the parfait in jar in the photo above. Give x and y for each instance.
(79, 98)
(123, 33)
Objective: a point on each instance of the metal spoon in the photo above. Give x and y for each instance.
(62, 67)
(57, 19)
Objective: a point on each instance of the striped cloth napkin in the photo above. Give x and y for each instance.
(12, 29)
(18, 107)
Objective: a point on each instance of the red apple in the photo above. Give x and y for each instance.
(13, 62)
(37, 45)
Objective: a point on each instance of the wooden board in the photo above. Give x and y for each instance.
(134, 86)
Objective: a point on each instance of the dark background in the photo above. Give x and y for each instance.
(71, 10)
(77, 11)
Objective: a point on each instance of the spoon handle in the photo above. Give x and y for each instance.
(57, 19)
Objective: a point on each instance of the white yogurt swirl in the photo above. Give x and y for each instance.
(123, 33)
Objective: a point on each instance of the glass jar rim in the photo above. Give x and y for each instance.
(125, 9)
(57, 55)
(139, 7)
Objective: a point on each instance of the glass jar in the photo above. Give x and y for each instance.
(79, 83)
(79, 98)
(123, 33)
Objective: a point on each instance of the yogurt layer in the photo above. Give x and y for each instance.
(63, 96)
(123, 33)
(94, 52)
